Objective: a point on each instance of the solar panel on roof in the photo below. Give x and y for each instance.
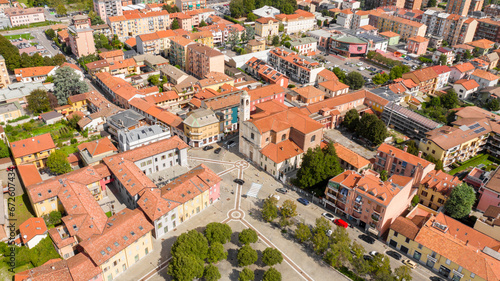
(474, 126)
(480, 130)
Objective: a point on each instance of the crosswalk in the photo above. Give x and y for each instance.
(254, 190)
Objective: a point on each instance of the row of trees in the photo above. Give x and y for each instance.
(395, 73)
(354, 79)
(239, 8)
(368, 126)
(372, 55)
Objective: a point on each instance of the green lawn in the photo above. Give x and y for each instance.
(23, 210)
(26, 36)
(474, 162)
(68, 149)
(25, 131)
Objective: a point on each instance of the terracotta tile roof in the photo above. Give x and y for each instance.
(468, 84)
(162, 97)
(213, 78)
(327, 75)
(129, 175)
(405, 227)
(54, 269)
(74, 66)
(32, 145)
(484, 75)
(153, 205)
(29, 174)
(279, 152)
(82, 268)
(58, 239)
(265, 91)
(389, 34)
(202, 49)
(97, 64)
(440, 181)
(421, 75)
(111, 54)
(181, 40)
(63, 34)
(494, 182)
(418, 39)
(464, 67)
(121, 231)
(283, 120)
(31, 228)
(34, 71)
(368, 27)
(131, 42)
(346, 11)
(266, 20)
(351, 157)
(190, 184)
(482, 44)
(225, 101)
(335, 102)
(122, 64)
(309, 92)
(97, 147)
(404, 156)
(333, 85)
(440, 69)
(269, 107)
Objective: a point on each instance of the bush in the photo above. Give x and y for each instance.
(73, 141)
(291, 86)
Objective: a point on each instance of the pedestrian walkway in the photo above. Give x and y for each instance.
(254, 190)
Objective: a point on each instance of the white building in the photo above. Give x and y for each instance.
(19, 17)
(301, 21)
(304, 45)
(266, 12)
(444, 73)
(465, 87)
(141, 136)
(344, 18)
(484, 78)
(352, 5)
(33, 230)
(108, 8)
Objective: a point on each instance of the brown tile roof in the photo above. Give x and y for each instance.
(82, 268)
(31, 228)
(181, 40)
(59, 240)
(122, 64)
(334, 85)
(290, 118)
(327, 75)
(482, 44)
(494, 182)
(202, 49)
(97, 64)
(32, 145)
(404, 156)
(309, 92)
(121, 231)
(448, 137)
(73, 66)
(98, 147)
(153, 205)
(421, 75)
(484, 75)
(335, 102)
(265, 91)
(464, 67)
(468, 84)
(279, 152)
(405, 227)
(213, 78)
(162, 97)
(266, 20)
(224, 101)
(351, 157)
(129, 175)
(440, 181)
(368, 27)
(111, 54)
(54, 269)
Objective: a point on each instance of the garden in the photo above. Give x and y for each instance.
(482, 161)
(26, 36)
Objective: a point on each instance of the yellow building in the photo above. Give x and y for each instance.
(78, 102)
(435, 188)
(204, 37)
(255, 46)
(10, 111)
(34, 150)
(445, 245)
(201, 127)
(265, 27)
(404, 27)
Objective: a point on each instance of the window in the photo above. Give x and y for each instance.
(407, 240)
(448, 262)
(252, 135)
(283, 137)
(313, 138)
(395, 234)
(420, 246)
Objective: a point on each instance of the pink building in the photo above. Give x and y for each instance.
(399, 162)
(19, 17)
(265, 93)
(461, 70)
(367, 200)
(81, 37)
(476, 178)
(201, 60)
(417, 45)
(490, 193)
(108, 8)
(348, 46)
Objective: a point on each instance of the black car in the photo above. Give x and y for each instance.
(217, 151)
(367, 239)
(208, 147)
(394, 254)
(239, 181)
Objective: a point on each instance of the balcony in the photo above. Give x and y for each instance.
(330, 195)
(375, 217)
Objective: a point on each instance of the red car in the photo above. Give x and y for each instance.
(11, 168)
(340, 222)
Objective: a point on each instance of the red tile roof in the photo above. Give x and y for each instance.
(464, 67)
(98, 147)
(440, 181)
(33, 71)
(484, 75)
(265, 91)
(31, 228)
(279, 152)
(309, 92)
(468, 84)
(32, 145)
(351, 157)
(404, 156)
(29, 174)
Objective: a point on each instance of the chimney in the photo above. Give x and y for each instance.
(420, 154)
(405, 148)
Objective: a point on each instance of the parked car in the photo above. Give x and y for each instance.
(11, 168)
(340, 222)
(367, 239)
(275, 196)
(217, 151)
(411, 264)
(303, 201)
(394, 254)
(374, 253)
(336, 65)
(208, 147)
(359, 64)
(231, 143)
(282, 190)
(361, 68)
(328, 216)
(239, 181)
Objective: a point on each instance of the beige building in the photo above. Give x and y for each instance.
(108, 8)
(10, 111)
(265, 27)
(404, 27)
(4, 74)
(157, 43)
(19, 17)
(435, 188)
(137, 23)
(81, 38)
(201, 60)
(201, 127)
(255, 46)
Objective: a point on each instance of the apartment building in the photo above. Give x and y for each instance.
(453, 28)
(260, 69)
(27, 16)
(350, 160)
(4, 4)
(4, 74)
(189, 5)
(461, 71)
(333, 88)
(457, 7)
(293, 65)
(201, 127)
(435, 188)
(404, 27)
(178, 51)
(306, 95)
(407, 121)
(372, 203)
(10, 111)
(300, 21)
(304, 45)
(169, 206)
(91, 153)
(144, 135)
(445, 246)
(254, 46)
(81, 38)
(201, 60)
(117, 89)
(425, 78)
(484, 78)
(489, 192)
(465, 88)
(360, 18)
(34, 150)
(492, 10)
(265, 27)
(199, 15)
(157, 43)
(399, 162)
(266, 93)
(344, 18)
(108, 8)
(225, 105)
(204, 37)
(136, 22)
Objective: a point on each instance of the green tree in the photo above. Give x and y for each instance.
(216, 252)
(175, 24)
(303, 233)
(218, 232)
(351, 119)
(58, 162)
(95, 19)
(359, 264)
(54, 218)
(249, 6)
(202, 23)
(4, 150)
(289, 209)
(270, 210)
(251, 17)
(250, 32)
(432, 3)
(233, 38)
(237, 8)
(354, 80)
(246, 275)
(276, 40)
(272, 275)
(320, 242)
(380, 78)
(442, 59)
(468, 55)
(50, 33)
(403, 273)
(383, 175)
(281, 28)
(398, 71)
(380, 268)
(450, 99)
(248, 236)
(73, 121)
(61, 10)
(493, 105)
(211, 273)
(415, 200)
(322, 225)
(460, 202)
(191, 243)
(184, 267)
(247, 256)
(340, 250)
(319, 23)
(67, 83)
(271, 256)
(38, 101)
(372, 128)
(339, 73)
